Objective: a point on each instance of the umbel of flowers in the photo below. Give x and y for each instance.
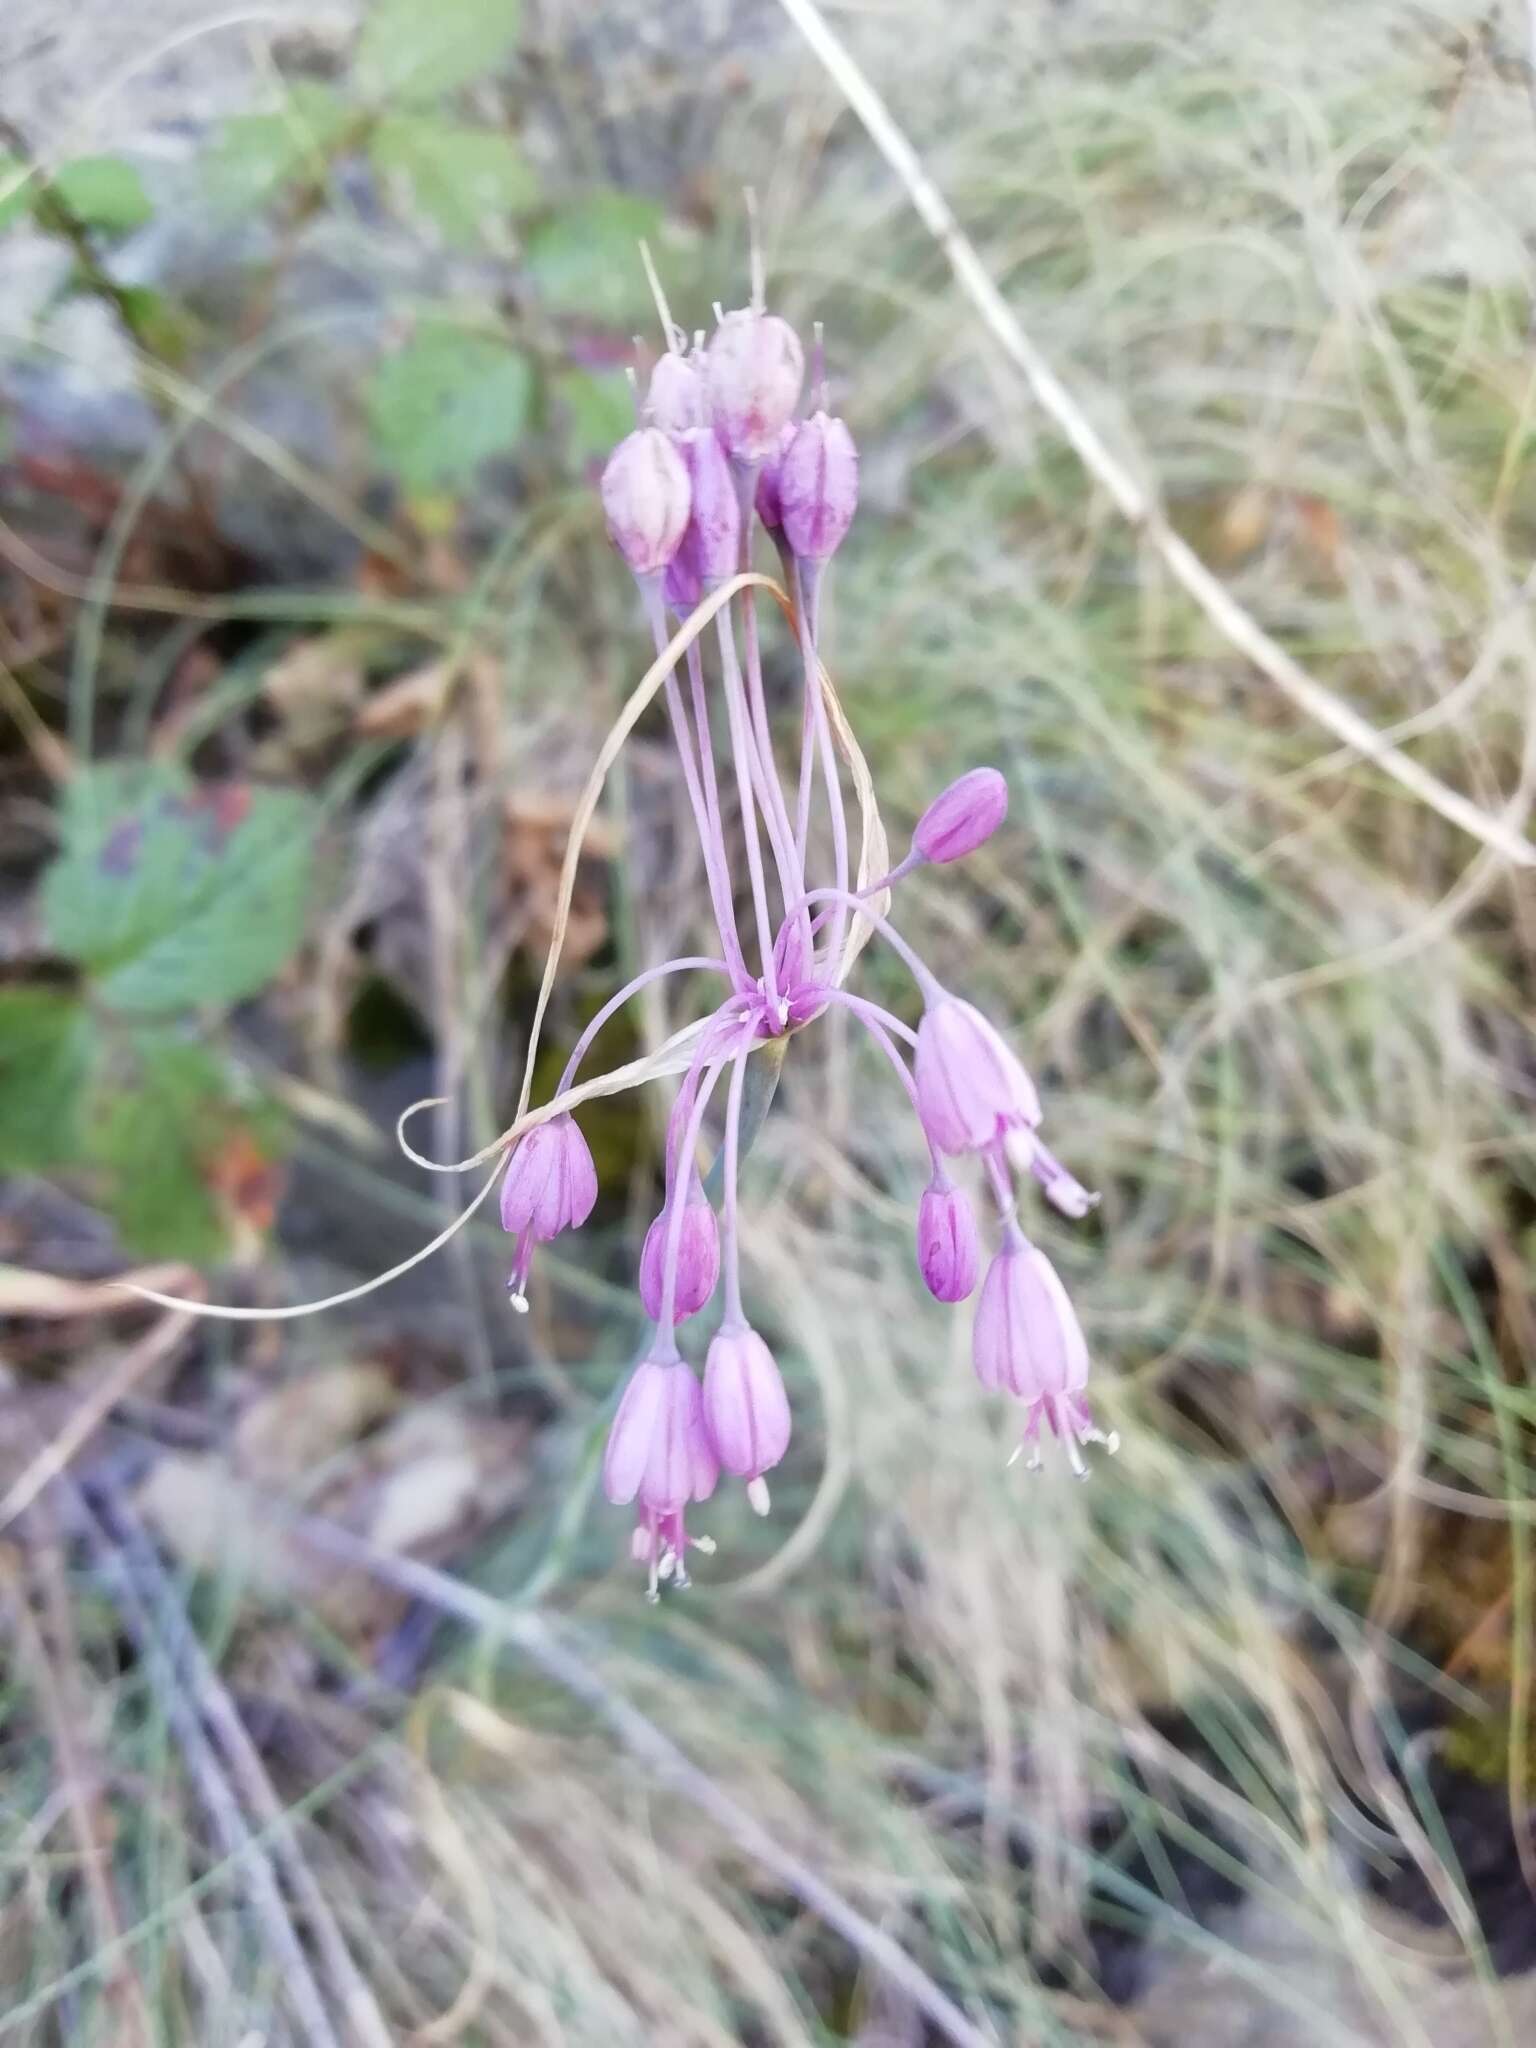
(720, 447)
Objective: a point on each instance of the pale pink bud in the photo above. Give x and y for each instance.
(948, 1249)
(971, 1088)
(755, 370)
(646, 500)
(818, 487)
(711, 547)
(550, 1183)
(676, 400)
(961, 817)
(698, 1259)
(746, 1407)
(769, 508)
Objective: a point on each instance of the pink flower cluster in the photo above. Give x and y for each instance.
(718, 445)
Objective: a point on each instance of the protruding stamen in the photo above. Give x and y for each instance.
(518, 1300)
(757, 1496)
(675, 338)
(755, 252)
(818, 369)
(706, 1544)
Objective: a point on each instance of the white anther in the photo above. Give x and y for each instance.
(757, 1496)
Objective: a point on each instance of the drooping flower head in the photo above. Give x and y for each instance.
(698, 1258)
(962, 817)
(550, 1185)
(660, 1456)
(1028, 1343)
(971, 1088)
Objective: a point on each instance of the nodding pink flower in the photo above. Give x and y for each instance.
(746, 1407)
(962, 817)
(971, 1089)
(769, 507)
(818, 487)
(948, 1248)
(660, 1455)
(1029, 1343)
(698, 1258)
(675, 399)
(646, 500)
(550, 1185)
(755, 368)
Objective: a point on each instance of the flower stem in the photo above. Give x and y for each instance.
(742, 755)
(688, 963)
(728, 1230)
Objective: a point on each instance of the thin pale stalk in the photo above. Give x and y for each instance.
(688, 963)
(926, 981)
(807, 597)
(741, 753)
(765, 776)
(728, 1223)
(879, 1024)
(666, 1334)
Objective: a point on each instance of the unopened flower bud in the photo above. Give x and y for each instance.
(550, 1185)
(756, 367)
(712, 542)
(745, 1406)
(646, 500)
(962, 817)
(769, 506)
(971, 1088)
(948, 1250)
(818, 487)
(675, 399)
(698, 1259)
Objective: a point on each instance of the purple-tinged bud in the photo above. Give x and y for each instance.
(676, 400)
(1029, 1343)
(818, 487)
(745, 1407)
(646, 500)
(948, 1249)
(769, 508)
(971, 1088)
(755, 368)
(659, 1454)
(713, 539)
(962, 817)
(550, 1185)
(698, 1259)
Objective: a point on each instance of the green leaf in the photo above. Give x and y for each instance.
(104, 192)
(176, 894)
(156, 1123)
(585, 259)
(255, 155)
(599, 408)
(446, 402)
(413, 51)
(17, 189)
(459, 177)
(46, 1040)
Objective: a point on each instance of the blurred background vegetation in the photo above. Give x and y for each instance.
(313, 324)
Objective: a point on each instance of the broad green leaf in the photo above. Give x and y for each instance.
(255, 155)
(105, 192)
(17, 189)
(600, 408)
(585, 259)
(178, 895)
(459, 177)
(449, 400)
(158, 1118)
(413, 51)
(46, 1039)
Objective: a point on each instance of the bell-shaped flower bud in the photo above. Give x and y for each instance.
(659, 1454)
(712, 543)
(818, 487)
(745, 1407)
(1028, 1343)
(698, 1258)
(676, 400)
(646, 500)
(769, 507)
(962, 817)
(755, 369)
(550, 1185)
(948, 1247)
(971, 1088)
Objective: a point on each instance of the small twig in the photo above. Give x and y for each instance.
(141, 1613)
(78, 1776)
(560, 1660)
(96, 1405)
(1135, 503)
(221, 1718)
